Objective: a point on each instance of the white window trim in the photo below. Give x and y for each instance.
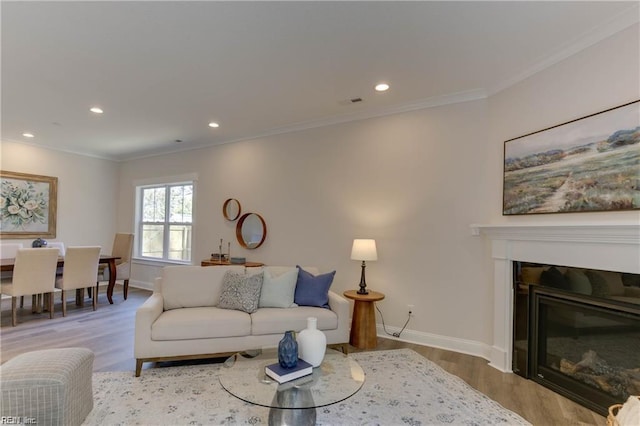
(162, 180)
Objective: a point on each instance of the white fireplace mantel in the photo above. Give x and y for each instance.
(617, 233)
(605, 246)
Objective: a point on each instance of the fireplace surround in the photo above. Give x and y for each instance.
(603, 246)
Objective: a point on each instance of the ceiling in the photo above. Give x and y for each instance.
(161, 71)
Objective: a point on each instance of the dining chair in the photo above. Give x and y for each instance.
(60, 246)
(34, 273)
(123, 248)
(80, 270)
(8, 250)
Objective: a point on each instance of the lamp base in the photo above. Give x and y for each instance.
(363, 284)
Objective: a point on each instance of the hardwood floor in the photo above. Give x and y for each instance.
(109, 333)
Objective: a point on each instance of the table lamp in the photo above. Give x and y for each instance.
(363, 250)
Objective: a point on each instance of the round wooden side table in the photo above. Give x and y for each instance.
(363, 323)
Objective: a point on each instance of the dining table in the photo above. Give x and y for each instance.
(8, 263)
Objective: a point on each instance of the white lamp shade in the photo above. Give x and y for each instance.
(364, 250)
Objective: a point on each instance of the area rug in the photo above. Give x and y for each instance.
(401, 388)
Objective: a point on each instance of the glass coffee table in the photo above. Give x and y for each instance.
(295, 402)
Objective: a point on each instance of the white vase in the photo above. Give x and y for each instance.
(312, 343)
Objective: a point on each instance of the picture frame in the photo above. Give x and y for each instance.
(28, 205)
(590, 164)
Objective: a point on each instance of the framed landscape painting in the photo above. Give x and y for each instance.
(585, 165)
(27, 205)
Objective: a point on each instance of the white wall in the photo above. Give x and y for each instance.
(87, 192)
(412, 181)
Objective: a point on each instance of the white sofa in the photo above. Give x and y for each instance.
(181, 319)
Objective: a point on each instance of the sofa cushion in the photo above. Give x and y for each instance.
(313, 290)
(240, 291)
(192, 286)
(278, 291)
(578, 281)
(200, 323)
(614, 282)
(277, 321)
(599, 287)
(552, 277)
(279, 270)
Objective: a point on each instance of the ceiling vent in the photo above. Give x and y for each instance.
(351, 101)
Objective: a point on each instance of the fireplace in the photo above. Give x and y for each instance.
(582, 346)
(608, 247)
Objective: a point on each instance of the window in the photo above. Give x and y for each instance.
(164, 221)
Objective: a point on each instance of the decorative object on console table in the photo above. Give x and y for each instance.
(288, 350)
(282, 374)
(217, 262)
(39, 242)
(363, 322)
(312, 343)
(363, 250)
(30, 210)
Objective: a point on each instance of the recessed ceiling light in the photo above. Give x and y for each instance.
(96, 110)
(28, 135)
(214, 124)
(382, 87)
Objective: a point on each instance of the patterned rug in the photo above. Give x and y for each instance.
(401, 388)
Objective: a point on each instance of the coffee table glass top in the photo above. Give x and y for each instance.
(336, 379)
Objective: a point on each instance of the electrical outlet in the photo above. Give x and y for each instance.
(412, 310)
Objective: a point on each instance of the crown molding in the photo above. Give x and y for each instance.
(620, 22)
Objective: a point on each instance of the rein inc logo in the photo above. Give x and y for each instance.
(18, 420)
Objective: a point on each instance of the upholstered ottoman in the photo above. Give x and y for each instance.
(48, 387)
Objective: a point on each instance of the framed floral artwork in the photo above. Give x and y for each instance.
(27, 205)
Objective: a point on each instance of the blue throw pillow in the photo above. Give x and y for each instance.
(313, 290)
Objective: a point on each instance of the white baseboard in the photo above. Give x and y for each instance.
(469, 347)
(141, 284)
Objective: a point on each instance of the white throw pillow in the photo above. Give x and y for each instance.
(278, 292)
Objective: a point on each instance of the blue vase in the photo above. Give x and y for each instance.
(39, 242)
(288, 351)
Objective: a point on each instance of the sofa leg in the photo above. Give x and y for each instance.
(125, 289)
(138, 367)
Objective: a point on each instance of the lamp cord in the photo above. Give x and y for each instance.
(385, 328)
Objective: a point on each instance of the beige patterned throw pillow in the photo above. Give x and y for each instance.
(240, 292)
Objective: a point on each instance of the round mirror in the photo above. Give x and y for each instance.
(251, 230)
(231, 209)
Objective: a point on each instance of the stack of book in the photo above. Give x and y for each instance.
(281, 374)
